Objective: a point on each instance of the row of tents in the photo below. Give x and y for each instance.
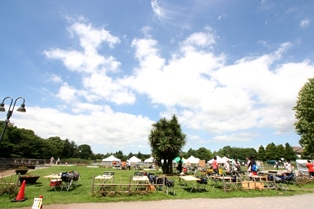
(133, 160)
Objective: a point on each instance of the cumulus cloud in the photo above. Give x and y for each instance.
(207, 94)
(205, 91)
(102, 128)
(94, 66)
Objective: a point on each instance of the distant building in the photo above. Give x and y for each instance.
(298, 151)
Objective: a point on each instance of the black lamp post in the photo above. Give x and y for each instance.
(10, 111)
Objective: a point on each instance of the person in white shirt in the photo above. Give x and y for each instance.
(235, 165)
(227, 166)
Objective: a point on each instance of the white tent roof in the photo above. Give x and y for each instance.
(226, 159)
(149, 160)
(192, 159)
(111, 159)
(134, 159)
(219, 160)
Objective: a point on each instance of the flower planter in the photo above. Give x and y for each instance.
(29, 179)
(21, 171)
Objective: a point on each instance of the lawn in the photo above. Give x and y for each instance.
(82, 193)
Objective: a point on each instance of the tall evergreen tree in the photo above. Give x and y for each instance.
(261, 154)
(281, 152)
(271, 152)
(289, 152)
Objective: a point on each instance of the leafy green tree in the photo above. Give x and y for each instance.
(166, 140)
(68, 149)
(290, 153)
(140, 156)
(304, 113)
(261, 154)
(191, 152)
(119, 155)
(85, 152)
(250, 152)
(130, 155)
(271, 152)
(226, 151)
(99, 156)
(204, 154)
(57, 146)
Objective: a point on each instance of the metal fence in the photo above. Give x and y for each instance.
(13, 163)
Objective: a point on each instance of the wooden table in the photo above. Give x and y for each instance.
(104, 178)
(141, 181)
(104, 181)
(187, 179)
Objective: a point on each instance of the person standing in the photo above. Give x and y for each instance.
(180, 165)
(288, 166)
(51, 160)
(310, 167)
(128, 165)
(236, 165)
(215, 165)
(252, 166)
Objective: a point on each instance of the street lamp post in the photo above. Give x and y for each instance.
(10, 111)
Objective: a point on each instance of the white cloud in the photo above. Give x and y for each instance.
(67, 93)
(102, 128)
(93, 65)
(88, 60)
(206, 94)
(239, 137)
(194, 83)
(222, 16)
(55, 78)
(104, 87)
(158, 11)
(304, 23)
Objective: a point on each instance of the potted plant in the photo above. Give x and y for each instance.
(21, 170)
(29, 179)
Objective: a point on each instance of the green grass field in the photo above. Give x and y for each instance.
(82, 193)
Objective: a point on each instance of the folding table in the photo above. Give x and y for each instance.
(187, 179)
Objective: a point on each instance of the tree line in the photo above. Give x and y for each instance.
(24, 143)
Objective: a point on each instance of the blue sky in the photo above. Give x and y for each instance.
(102, 72)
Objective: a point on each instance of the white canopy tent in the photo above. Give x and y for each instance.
(134, 159)
(226, 159)
(219, 160)
(110, 160)
(149, 160)
(192, 159)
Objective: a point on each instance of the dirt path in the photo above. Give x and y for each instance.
(7, 173)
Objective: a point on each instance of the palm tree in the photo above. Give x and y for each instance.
(166, 140)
